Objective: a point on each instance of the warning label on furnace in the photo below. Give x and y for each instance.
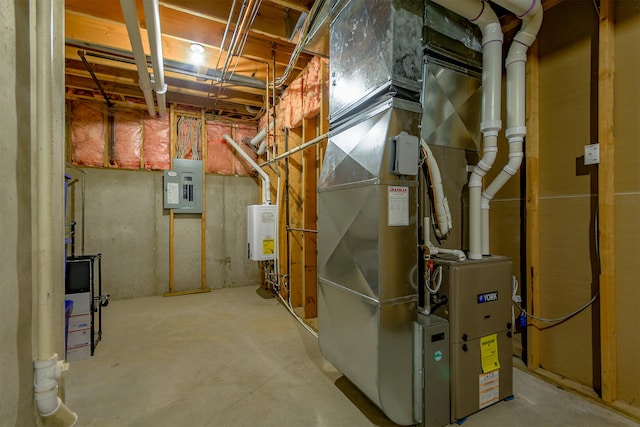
(489, 352)
(489, 389)
(398, 206)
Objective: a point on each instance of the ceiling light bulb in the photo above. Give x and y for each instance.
(197, 48)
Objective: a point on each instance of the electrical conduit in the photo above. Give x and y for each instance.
(481, 14)
(530, 11)
(47, 368)
(152, 16)
(133, 28)
(266, 182)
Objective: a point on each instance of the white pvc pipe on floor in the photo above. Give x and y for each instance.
(47, 368)
(266, 181)
(531, 13)
(133, 29)
(152, 16)
(481, 14)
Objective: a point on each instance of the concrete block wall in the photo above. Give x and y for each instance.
(126, 223)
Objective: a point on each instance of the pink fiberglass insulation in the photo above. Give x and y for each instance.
(293, 111)
(312, 88)
(87, 134)
(281, 108)
(242, 167)
(219, 154)
(128, 139)
(156, 143)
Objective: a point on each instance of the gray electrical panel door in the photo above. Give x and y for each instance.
(183, 186)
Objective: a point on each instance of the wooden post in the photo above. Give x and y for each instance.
(532, 148)
(608, 342)
(172, 154)
(295, 219)
(203, 217)
(310, 220)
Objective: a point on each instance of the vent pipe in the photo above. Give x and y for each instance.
(48, 369)
(152, 16)
(266, 181)
(530, 11)
(481, 14)
(133, 29)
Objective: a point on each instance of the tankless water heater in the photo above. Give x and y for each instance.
(261, 232)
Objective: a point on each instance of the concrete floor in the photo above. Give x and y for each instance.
(234, 357)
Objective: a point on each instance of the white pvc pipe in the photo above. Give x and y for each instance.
(47, 368)
(133, 28)
(260, 138)
(266, 181)
(531, 13)
(433, 250)
(480, 13)
(441, 204)
(152, 16)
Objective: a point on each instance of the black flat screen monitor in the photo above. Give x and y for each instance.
(78, 276)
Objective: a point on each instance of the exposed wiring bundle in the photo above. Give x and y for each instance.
(555, 320)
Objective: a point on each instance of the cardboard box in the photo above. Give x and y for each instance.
(78, 353)
(79, 339)
(81, 302)
(79, 322)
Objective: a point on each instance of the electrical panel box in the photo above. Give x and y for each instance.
(406, 154)
(183, 186)
(261, 232)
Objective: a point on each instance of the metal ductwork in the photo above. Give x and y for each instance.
(397, 312)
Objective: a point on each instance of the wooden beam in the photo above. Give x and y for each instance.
(310, 219)
(176, 43)
(295, 195)
(532, 148)
(606, 187)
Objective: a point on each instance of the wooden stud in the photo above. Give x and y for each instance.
(203, 216)
(606, 187)
(532, 157)
(295, 219)
(172, 154)
(310, 220)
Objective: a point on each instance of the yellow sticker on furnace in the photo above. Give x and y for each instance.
(268, 246)
(489, 353)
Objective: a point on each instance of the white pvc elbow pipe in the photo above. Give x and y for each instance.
(47, 368)
(531, 13)
(266, 181)
(260, 138)
(152, 16)
(480, 13)
(133, 29)
(443, 214)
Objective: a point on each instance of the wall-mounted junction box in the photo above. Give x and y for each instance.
(406, 154)
(261, 232)
(183, 186)
(592, 154)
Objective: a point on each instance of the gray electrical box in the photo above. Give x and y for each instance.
(183, 186)
(406, 154)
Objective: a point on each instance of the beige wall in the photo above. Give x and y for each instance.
(627, 198)
(568, 49)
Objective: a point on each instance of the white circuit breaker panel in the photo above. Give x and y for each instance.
(183, 186)
(261, 232)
